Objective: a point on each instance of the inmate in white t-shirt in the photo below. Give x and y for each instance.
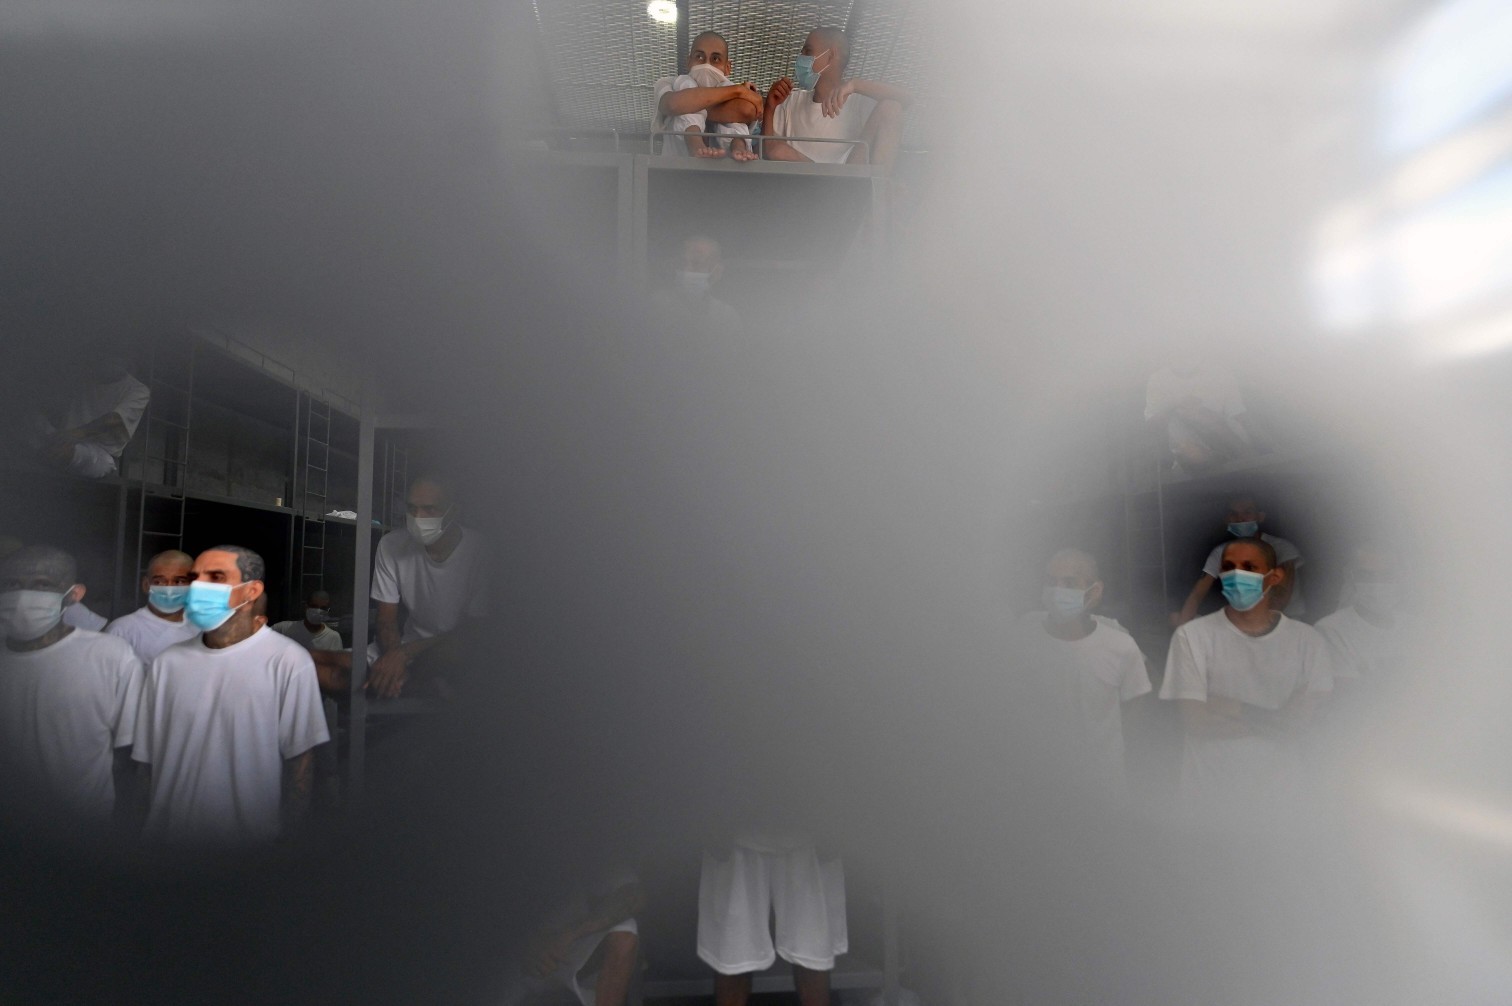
(217, 725)
(326, 639)
(1210, 657)
(801, 115)
(149, 634)
(1359, 649)
(1213, 387)
(126, 397)
(1285, 552)
(1083, 685)
(437, 595)
(64, 709)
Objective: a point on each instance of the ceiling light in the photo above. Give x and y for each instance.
(662, 11)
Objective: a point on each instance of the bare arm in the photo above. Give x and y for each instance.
(878, 91)
(110, 423)
(333, 669)
(697, 99)
(132, 787)
(1194, 600)
(298, 784)
(1217, 717)
(744, 108)
(388, 626)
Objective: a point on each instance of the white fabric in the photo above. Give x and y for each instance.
(1082, 685)
(737, 895)
(1213, 387)
(1211, 658)
(216, 725)
(438, 596)
(92, 461)
(801, 115)
(673, 146)
(705, 75)
(150, 634)
(81, 617)
(1360, 650)
(326, 639)
(126, 397)
(64, 709)
(1285, 552)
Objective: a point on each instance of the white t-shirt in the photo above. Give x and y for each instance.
(671, 146)
(1360, 650)
(801, 115)
(326, 639)
(438, 596)
(150, 635)
(216, 726)
(81, 617)
(64, 709)
(1285, 552)
(1083, 683)
(126, 397)
(1212, 657)
(1214, 387)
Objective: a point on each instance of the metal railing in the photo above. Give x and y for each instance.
(758, 138)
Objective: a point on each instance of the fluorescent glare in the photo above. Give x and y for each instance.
(662, 11)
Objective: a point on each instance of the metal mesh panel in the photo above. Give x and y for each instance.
(895, 43)
(765, 35)
(602, 59)
(602, 56)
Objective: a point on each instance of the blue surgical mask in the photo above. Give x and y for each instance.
(1244, 529)
(208, 605)
(168, 599)
(315, 616)
(1063, 604)
(1242, 589)
(804, 77)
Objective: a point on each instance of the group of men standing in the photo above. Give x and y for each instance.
(191, 716)
(1248, 678)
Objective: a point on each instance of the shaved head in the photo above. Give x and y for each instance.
(166, 562)
(1240, 546)
(41, 563)
(1073, 562)
(317, 598)
(835, 39)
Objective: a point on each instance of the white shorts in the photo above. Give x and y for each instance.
(739, 894)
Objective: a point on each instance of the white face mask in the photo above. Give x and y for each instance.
(694, 284)
(425, 530)
(707, 76)
(315, 616)
(30, 614)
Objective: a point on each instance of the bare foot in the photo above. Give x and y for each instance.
(741, 150)
(700, 146)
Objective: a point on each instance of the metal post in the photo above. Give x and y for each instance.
(892, 962)
(362, 573)
(682, 36)
(640, 269)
